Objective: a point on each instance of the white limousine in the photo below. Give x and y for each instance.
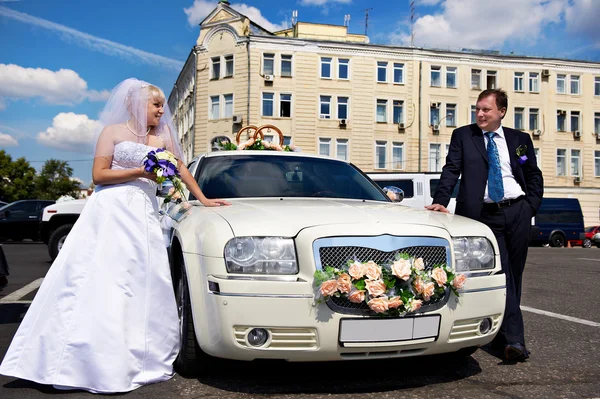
(248, 277)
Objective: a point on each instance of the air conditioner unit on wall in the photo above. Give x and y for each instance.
(237, 119)
(269, 78)
(536, 132)
(545, 73)
(577, 133)
(577, 179)
(400, 125)
(342, 122)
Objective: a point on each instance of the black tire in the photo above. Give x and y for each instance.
(191, 360)
(557, 240)
(57, 238)
(587, 243)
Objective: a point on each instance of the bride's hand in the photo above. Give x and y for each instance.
(215, 202)
(146, 175)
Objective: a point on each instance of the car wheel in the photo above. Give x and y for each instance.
(587, 243)
(191, 360)
(557, 240)
(57, 239)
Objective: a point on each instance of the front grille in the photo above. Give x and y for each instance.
(337, 256)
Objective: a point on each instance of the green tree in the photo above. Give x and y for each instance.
(55, 180)
(17, 179)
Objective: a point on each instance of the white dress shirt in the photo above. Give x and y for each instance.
(512, 189)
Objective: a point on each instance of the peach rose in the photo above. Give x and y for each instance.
(415, 305)
(356, 270)
(329, 287)
(378, 305)
(439, 275)
(344, 283)
(372, 270)
(395, 302)
(375, 287)
(428, 291)
(357, 296)
(419, 285)
(419, 264)
(401, 269)
(459, 281)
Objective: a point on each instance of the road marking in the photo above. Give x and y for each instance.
(21, 292)
(16, 303)
(560, 316)
(594, 260)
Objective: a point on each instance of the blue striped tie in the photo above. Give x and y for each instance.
(495, 186)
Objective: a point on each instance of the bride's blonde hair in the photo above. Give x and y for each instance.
(156, 93)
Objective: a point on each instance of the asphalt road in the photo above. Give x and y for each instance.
(560, 299)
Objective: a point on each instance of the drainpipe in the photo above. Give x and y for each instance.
(419, 113)
(193, 138)
(248, 102)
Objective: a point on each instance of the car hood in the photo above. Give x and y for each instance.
(287, 217)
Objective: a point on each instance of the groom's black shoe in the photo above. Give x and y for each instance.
(3, 281)
(516, 352)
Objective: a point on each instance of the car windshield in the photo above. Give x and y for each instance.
(246, 176)
(589, 229)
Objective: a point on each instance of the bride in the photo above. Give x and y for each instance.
(105, 318)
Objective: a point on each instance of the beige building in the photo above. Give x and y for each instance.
(384, 108)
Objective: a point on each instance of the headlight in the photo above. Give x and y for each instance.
(473, 254)
(261, 255)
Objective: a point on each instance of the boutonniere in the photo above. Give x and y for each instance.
(521, 153)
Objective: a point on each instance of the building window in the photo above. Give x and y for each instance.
(398, 116)
(534, 114)
(597, 86)
(286, 65)
(575, 162)
(380, 154)
(561, 81)
(519, 112)
(574, 84)
(561, 120)
(228, 66)
(597, 163)
(435, 157)
(451, 77)
(434, 114)
(450, 114)
(214, 107)
(398, 155)
(436, 76)
(268, 64)
(342, 107)
(518, 81)
(268, 104)
(574, 121)
(382, 71)
(326, 67)
(341, 149)
(474, 115)
(324, 147)
(596, 123)
(476, 79)
(381, 110)
(344, 69)
(398, 73)
(534, 82)
(216, 67)
(561, 162)
(491, 79)
(285, 105)
(228, 109)
(325, 107)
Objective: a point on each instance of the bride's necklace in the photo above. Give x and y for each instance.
(139, 135)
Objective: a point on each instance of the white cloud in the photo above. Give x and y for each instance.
(61, 87)
(201, 8)
(323, 2)
(7, 140)
(483, 24)
(71, 132)
(93, 42)
(582, 18)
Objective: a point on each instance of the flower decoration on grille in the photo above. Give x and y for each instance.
(393, 289)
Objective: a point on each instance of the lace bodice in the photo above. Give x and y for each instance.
(129, 155)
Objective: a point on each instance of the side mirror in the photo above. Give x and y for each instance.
(394, 193)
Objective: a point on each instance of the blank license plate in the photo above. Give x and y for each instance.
(383, 330)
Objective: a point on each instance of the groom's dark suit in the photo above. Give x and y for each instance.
(467, 158)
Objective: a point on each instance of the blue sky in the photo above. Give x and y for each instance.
(59, 59)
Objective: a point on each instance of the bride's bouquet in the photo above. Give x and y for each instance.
(164, 164)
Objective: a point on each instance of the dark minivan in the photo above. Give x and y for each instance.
(21, 219)
(558, 221)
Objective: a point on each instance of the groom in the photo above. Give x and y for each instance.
(502, 187)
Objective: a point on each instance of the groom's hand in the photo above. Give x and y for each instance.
(437, 208)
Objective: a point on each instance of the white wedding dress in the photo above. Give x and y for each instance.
(105, 318)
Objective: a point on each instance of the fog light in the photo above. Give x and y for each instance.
(257, 336)
(485, 326)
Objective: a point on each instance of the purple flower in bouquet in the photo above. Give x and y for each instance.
(164, 164)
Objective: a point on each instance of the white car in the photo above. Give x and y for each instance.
(244, 274)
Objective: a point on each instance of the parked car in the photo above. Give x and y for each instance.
(2, 203)
(21, 219)
(558, 221)
(57, 221)
(596, 240)
(590, 232)
(243, 274)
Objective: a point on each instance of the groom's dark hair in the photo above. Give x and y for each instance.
(499, 94)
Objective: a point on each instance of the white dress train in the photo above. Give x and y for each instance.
(105, 318)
